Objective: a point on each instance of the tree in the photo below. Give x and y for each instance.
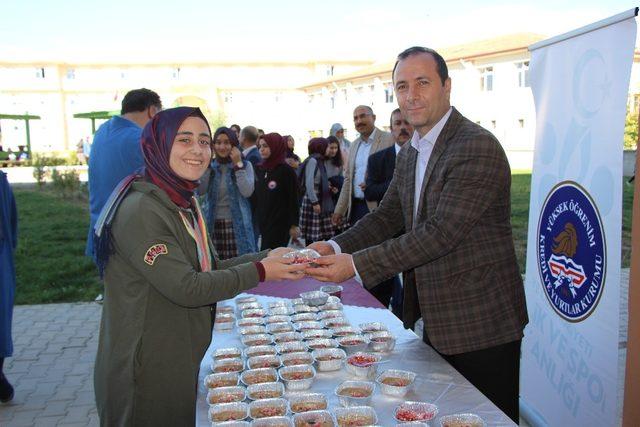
(631, 131)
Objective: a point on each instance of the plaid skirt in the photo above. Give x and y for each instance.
(223, 239)
(313, 226)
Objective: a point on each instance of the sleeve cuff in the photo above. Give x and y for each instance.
(355, 270)
(336, 247)
(261, 271)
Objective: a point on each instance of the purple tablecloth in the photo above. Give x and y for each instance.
(352, 294)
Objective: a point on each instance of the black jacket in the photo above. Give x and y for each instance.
(380, 167)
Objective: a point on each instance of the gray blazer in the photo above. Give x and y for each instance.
(461, 272)
(343, 206)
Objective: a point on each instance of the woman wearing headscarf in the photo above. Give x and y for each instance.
(8, 243)
(338, 131)
(160, 275)
(276, 193)
(226, 187)
(317, 203)
(292, 158)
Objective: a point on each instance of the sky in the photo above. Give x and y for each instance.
(278, 30)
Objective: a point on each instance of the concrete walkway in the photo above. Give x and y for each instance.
(55, 348)
(52, 366)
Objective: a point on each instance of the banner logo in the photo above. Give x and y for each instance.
(571, 251)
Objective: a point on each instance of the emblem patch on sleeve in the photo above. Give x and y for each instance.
(154, 252)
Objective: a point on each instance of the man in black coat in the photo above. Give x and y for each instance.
(380, 169)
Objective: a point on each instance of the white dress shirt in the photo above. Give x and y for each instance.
(360, 165)
(246, 151)
(398, 148)
(424, 146)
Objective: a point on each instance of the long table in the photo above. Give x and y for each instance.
(436, 382)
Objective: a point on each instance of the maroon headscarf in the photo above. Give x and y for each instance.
(157, 140)
(278, 147)
(233, 140)
(318, 146)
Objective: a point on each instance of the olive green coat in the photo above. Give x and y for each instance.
(156, 317)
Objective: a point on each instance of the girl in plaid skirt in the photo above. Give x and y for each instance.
(227, 186)
(317, 203)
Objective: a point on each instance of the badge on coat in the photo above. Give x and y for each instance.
(272, 185)
(154, 252)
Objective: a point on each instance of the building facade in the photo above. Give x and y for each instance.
(490, 85)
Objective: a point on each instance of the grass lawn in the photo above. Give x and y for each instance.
(51, 265)
(50, 261)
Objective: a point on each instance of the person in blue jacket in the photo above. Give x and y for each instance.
(8, 243)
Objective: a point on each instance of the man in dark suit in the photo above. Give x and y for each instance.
(249, 143)
(379, 173)
(451, 193)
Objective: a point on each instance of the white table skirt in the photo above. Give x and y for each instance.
(436, 382)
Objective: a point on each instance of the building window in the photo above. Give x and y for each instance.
(71, 73)
(123, 74)
(636, 102)
(523, 74)
(329, 70)
(310, 98)
(228, 97)
(486, 79)
(40, 73)
(344, 95)
(176, 73)
(521, 123)
(493, 124)
(332, 99)
(388, 94)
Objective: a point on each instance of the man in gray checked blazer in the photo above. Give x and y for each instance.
(451, 193)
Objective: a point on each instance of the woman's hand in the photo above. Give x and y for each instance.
(317, 209)
(278, 268)
(292, 162)
(235, 155)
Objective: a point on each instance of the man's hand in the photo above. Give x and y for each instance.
(332, 268)
(362, 185)
(278, 252)
(317, 209)
(235, 155)
(336, 219)
(278, 268)
(323, 248)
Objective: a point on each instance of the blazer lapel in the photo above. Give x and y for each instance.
(440, 146)
(409, 191)
(376, 141)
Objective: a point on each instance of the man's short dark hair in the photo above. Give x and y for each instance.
(139, 100)
(441, 64)
(250, 133)
(397, 110)
(235, 126)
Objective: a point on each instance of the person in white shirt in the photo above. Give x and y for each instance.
(351, 203)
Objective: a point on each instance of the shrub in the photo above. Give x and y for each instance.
(39, 164)
(65, 183)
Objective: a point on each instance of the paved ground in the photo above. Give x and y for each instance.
(52, 366)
